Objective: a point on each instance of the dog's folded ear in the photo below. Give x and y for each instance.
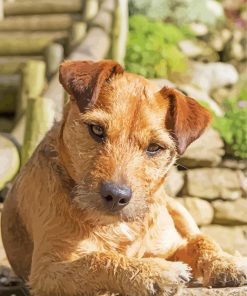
(186, 119)
(84, 79)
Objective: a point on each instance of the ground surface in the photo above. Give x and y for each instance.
(215, 292)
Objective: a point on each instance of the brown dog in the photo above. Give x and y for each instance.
(88, 213)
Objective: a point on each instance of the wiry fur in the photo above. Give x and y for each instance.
(57, 232)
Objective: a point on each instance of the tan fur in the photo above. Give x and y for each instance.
(69, 243)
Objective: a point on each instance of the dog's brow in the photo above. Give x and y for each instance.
(97, 116)
(160, 133)
(162, 137)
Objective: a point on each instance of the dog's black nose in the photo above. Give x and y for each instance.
(115, 196)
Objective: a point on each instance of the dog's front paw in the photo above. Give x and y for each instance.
(225, 271)
(160, 277)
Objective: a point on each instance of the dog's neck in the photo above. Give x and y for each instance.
(49, 149)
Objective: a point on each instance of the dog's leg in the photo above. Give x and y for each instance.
(183, 221)
(204, 255)
(209, 261)
(101, 272)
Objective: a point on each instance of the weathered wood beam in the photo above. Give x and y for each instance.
(77, 33)
(33, 83)
(10, 65)
(26, 7)
(54, 55)
(50, 22)
(29, 44)
(39, 119)
(1, 10)
(90, 9)
(120, 33)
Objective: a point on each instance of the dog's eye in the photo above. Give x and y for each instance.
(153, 149)
(97, 132)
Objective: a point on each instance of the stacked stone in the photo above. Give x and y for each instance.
(214, 190)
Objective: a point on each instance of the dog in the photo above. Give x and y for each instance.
(88, 213)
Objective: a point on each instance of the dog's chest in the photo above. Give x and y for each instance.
(155, 236)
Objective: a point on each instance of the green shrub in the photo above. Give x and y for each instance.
(152, 48)
(233, 126)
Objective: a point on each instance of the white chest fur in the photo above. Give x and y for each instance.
(159, 237)
(155, 235)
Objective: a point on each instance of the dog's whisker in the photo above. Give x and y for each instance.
(180, 165)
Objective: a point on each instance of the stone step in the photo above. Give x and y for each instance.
(242, 291)
(52, 22)
(27, 7)
(9, 291)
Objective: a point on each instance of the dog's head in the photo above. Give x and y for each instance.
(121, 135)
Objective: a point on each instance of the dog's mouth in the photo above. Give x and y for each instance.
(126, 214)
(92, 203)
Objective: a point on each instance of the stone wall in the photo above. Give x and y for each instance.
(214, 190)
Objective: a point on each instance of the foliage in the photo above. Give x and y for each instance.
(152, 48)
(208, 12)
(232, 126)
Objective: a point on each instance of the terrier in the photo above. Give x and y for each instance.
(88, 213)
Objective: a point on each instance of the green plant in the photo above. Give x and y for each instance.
(152, 48)
(233, 126)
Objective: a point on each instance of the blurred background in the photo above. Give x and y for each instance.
(197, 46)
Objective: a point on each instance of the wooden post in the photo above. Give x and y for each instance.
(1, 10)
(90, 10)
(55, 92)
(54, 55)
(40, 115)
(77, 33)
(33, 83)
(120, 33)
